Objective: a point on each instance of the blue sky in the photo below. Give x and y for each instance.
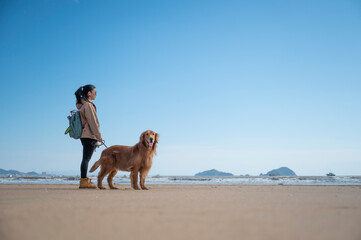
(240, 86)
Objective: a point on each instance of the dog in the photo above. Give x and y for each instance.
(134, 159)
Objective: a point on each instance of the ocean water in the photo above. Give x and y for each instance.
(236, 180)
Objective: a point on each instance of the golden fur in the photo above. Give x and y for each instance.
(134, 159)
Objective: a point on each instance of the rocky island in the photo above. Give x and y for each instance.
(283, 171)
(213, 172)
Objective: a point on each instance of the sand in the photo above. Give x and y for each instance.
(180, 212)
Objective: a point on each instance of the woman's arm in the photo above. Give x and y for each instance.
(91, 117)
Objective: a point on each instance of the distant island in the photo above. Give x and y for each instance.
(283, 171)
(212, 172)
(15, 173)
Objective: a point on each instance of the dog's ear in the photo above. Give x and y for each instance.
(156, 137)
(142, 136)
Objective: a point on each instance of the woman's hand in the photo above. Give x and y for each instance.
(100, 139)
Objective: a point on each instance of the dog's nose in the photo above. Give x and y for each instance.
(151, 139)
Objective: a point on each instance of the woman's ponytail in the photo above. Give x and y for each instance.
(79, 94)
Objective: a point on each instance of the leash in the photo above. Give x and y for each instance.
(103, 143)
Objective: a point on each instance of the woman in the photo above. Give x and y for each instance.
(91, 134)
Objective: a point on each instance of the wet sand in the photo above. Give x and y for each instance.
(180, 212)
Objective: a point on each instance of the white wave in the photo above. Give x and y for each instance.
(253, 180)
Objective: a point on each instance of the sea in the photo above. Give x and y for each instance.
(217, 180)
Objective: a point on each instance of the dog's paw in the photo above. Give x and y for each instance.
(136, 187)
(114, 188)
(102, 187)
(145, 188)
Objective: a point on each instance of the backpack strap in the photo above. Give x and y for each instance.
(84, 124)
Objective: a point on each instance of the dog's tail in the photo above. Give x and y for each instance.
(96, 165)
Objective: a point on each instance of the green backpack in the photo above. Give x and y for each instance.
(76, 127)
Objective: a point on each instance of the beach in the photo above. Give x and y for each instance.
(172, 211)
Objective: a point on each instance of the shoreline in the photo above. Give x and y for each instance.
(174, 211)
(75, 185)
(234, 180)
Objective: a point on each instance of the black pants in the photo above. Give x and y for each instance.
(88, 149)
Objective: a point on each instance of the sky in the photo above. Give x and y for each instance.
(240, 86)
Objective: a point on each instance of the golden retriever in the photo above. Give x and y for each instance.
(134, 159)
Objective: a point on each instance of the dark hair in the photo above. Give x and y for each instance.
(82, 92)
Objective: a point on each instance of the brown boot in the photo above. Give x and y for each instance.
(86, 183)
